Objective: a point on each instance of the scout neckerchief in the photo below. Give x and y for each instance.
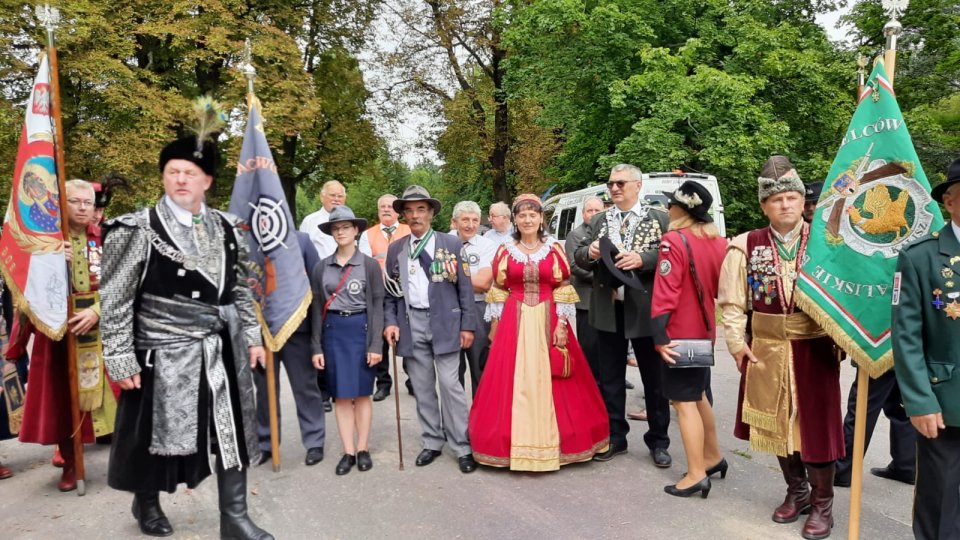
(779, 268)
(418, 246)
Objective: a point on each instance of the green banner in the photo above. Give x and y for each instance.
(875, 200)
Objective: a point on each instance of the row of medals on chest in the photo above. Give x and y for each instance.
(443, 267)
(950, 306)
(765, 274)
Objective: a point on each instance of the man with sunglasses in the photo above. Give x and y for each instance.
(621, 314)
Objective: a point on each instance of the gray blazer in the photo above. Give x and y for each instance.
(636, 302)
(375, 293)
(451, 304)
(580, 278)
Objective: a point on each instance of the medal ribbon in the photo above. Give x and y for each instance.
(801, 248)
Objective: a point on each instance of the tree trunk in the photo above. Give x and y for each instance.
(502, 190)
(288, 180)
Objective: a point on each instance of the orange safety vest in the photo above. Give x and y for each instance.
(378, 240)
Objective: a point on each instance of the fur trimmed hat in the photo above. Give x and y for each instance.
(778, 176)
(187, 149)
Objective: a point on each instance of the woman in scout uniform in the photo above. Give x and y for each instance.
(790, 388)
(926, 354)
(683, 308)
(347, 325)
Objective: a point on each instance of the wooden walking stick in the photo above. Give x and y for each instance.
(50, 17)
(396, 399)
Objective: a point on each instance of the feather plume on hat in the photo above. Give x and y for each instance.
(210, 119)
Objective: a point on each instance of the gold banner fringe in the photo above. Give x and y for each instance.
(758, 419)
(23, 306)
(874, 368)
(767, 445)
(275, 343)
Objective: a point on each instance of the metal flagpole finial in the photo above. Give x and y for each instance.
(48, 16)
(246, 67)
(894, 9)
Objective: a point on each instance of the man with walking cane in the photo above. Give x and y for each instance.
(431, 323)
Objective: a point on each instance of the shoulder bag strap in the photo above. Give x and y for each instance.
(336, 291)
(696, 281)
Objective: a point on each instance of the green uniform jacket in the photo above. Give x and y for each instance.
(926, 326)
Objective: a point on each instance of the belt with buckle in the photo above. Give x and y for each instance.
(347, 313)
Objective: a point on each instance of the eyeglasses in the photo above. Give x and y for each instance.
(81, 202)
(618, 183)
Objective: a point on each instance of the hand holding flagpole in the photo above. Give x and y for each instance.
(250, 73)
(50, 17)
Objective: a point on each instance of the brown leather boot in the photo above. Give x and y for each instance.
(820, 522)
(797, 500)
(68, 479)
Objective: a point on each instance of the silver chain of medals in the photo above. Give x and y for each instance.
(189, 262)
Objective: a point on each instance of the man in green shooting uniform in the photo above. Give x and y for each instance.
(926, 351)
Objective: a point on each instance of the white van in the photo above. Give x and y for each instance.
(566, 209)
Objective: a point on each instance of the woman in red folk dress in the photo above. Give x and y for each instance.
(538, 406)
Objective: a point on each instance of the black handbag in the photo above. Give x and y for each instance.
(694, 352)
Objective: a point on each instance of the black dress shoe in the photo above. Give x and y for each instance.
(427, 456)
(842, 480)
(628, 385)
(703, 487)
(364, 462)
(346, 463)
(661, 458)
(265, 456)
(409, 386)
(327, 405)
(467, 463)
(381, 393)
(615, 449)
(890, 474)
(150, 517)
(314, 456)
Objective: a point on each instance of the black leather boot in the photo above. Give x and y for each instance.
(150, 517)
(234, 521)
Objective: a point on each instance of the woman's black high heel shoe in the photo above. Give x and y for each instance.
(720, 467)
(703, 487)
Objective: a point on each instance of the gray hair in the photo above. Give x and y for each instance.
(329, 183)
(467, 207)
(77, 183)
(635, 172)
(385, 196)
(591, 199)
(499, 209)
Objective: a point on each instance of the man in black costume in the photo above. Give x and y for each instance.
(180, 335)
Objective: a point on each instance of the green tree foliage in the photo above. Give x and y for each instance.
(128, 71)
(701, 85)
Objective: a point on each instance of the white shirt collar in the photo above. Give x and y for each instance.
(182, 215)
(637, 208)
(790, 235)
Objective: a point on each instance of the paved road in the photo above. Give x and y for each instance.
(620, 499)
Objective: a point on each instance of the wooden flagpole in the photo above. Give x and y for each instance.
(891, 30)
(50, 17)
(251, 73)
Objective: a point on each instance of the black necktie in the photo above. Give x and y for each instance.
(390, 230)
